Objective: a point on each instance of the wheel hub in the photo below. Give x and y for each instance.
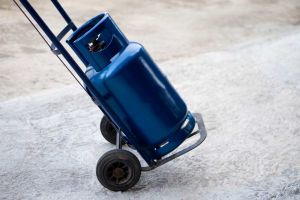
(118, 173)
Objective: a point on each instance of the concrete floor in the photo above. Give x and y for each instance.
(235, 61)
(168, 29)
(249, 98)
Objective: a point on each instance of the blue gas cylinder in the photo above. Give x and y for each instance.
(134, 92)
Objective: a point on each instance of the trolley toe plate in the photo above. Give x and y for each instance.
(201, 131)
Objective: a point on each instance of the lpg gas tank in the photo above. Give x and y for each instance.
(134, 91)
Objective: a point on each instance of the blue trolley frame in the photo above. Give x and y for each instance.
(57, 48)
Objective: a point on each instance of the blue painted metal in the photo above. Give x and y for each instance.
(126, 84)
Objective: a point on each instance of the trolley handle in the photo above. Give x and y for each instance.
(88, 86)
(70, 25)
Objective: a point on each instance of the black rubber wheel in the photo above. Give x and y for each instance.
(108, 130)
(118, 170)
